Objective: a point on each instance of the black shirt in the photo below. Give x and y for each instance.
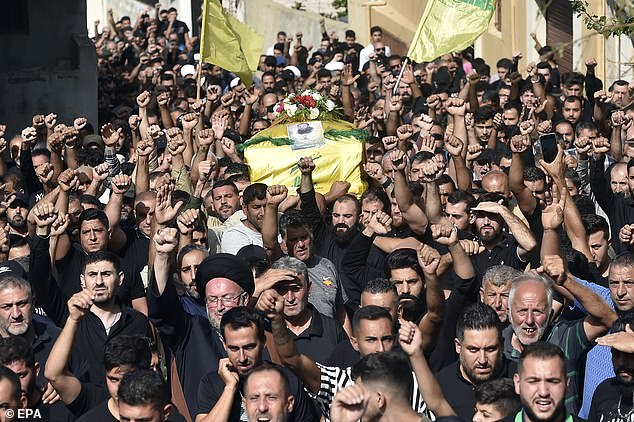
(504, 253)
(212, 386)
(136, 250)
(321, 337)
(99, 413)
(519, 417)
(343, 356)
(45, 337)
(605, 402)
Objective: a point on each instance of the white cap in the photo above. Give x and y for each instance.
(234, 82)
(334, 66)
(295, 70)
(187, 70)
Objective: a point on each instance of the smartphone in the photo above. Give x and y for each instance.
(548, 143)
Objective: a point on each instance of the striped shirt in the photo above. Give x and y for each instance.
(334, 379)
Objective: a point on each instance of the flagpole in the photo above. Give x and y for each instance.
(400, 76)
(200, 51)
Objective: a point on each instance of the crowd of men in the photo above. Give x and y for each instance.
(144, 276)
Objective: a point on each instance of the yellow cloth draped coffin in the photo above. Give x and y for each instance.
(271, 160)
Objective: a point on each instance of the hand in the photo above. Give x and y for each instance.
(227, 99)
(470, 123)
(395, 103)
(444, 234)
(349, 404)
(517, 56)
(410, 338)
(164, 210)
(582, 145)
(68, 180)
(471, 247)
(339, 188)
(163, 99)
(397, 157)
(473, 77)
(206, 137)
(619, 118)
(79, 305)
(348, 78)
(213, 93)
(553, 214)
(175, 141)
(44, 214)
(455, 106)
(490, 207)
(228, 147)
(187, 220)
(453, 145)
(600, 146)
(166, 240)
(276, 194)
(408, 75)
(60, 225)
(474, 151)
(189, 121)
(520, 143)
(143, 99)
(591, 62)
(558, 166)
(207, 168)
(390, 142)
(29, 135)
(425, 124)
(120, 184)
(145, 148)
(251, 97)
(110, 136)
(428, 259)
(622, 341)
(197, 106)
(515, 78)
(228, 373)
(306, 166)
(554, 267)
(56, 142)
(218, 124)
(50, 395)
(433, 102)
(545, 127)
(626, 234)
(271, 303)
(50, 120)
(600, 97)
(379, 223)
(80, 123)
(38, 121)
(45, 173)
(270, 278)
(527, 127)
(374, 171)
(154, 132)
(405, 132)
(3, 129)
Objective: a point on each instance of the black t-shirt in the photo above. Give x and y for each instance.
(320, 338)
(504, 253)
(343, 356)
(89, 397)
(180, 28)
(69, 269)
(99, 413)
(611, 402)
(136, 249)
(211, 388)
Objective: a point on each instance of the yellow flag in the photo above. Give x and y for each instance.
(228, 43)
(449, 25)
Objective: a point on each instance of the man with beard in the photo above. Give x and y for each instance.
(187, 261)
(137, 244)
(220, 392)
(225, 199)
(224, 281)
(479, 343)
(267, 394)
(17, 355)
(541, 382)
(331, 242)
(248, 230)
(530, 308)
(488, 219)
(17, 212)
(613, 399)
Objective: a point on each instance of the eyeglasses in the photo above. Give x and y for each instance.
(212, 301)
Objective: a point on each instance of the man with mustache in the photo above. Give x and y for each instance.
(613, 399)
(496, 285)
(479, 344)
(248, 230)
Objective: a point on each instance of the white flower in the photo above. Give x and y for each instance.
(314, 113)
(330, 105)
(316, 95)
(291, 109)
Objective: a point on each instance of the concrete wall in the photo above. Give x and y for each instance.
(50, 68)
(268, 17)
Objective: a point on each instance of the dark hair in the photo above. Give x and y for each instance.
(14, 349)
(625, 259)
(572, 78)
(404, 258)
(268, 367)
(587, 126)
(623, 320)
(268, 73)
(376, 28)
(191, 247)
(374, 194)
(573, 176)
(477, 317)
(14, 380)
(41, 151)
(544, 65)
(512, 105)
(500, 393)
(242, 317)
(132, 351)
(92, 200)
(482, 114)
(350, 197)
(350, 34)
(573, 99)
(584, 204)
(94, 214)
(422, 156)
(237, 168)
(370, 312)
(142, 387)
(381, 285)
(253, 192)
(100, 256)
(542, 350)
(444, 179)
(492, 197)
(593, 223)
(223, 183)
(388, 368)
(505, 63)
(294, 219)
(461, 196)
(534, 174)
(620, 82)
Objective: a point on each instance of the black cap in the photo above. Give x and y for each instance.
(22, 198)
(226, 266)
(11, 269)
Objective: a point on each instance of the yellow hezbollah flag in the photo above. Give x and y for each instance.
(449, 25)
(228, 43)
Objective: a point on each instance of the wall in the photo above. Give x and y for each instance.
(52, 67)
